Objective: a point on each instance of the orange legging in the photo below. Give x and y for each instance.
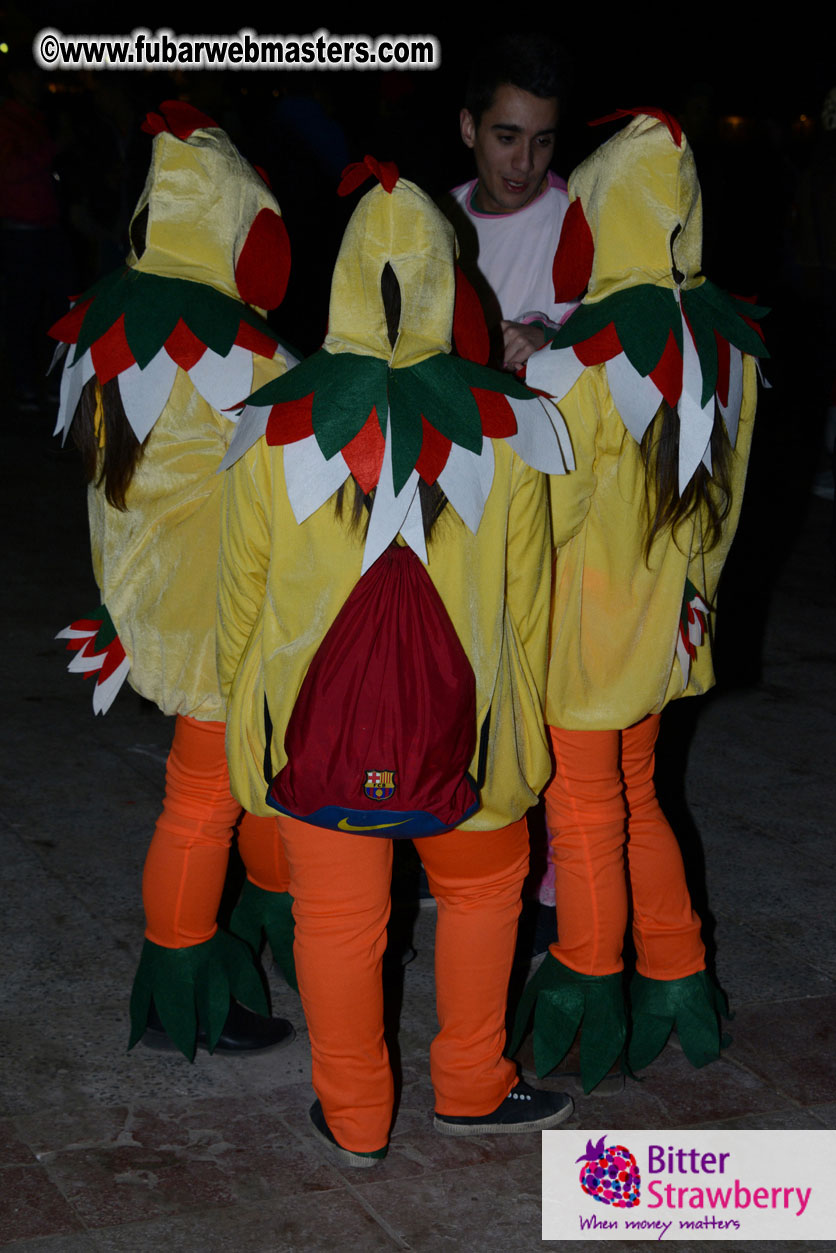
(186, 864)
(341, 885)
(601, 799)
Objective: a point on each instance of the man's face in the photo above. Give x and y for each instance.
(512, 144)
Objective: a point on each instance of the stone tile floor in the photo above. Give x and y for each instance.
(105, 1150)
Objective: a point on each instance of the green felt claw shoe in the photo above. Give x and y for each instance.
(563, 1002)
(192, 988)
(691, 1006)
(259, 913)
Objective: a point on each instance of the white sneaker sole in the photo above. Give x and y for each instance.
(505, 1129)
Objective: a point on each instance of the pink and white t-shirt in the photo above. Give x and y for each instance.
(516, 253)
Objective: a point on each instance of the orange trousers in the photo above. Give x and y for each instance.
(601, 808)
(187, 861)
(341, 884)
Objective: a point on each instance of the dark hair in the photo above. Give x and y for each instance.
(533, 62)
(709, 493)
(110, 452)
(432, 498)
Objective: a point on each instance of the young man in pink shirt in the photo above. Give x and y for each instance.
(508, 219)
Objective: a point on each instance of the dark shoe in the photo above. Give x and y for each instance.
(347, 1156)
(243, 1032)
(524, 1109)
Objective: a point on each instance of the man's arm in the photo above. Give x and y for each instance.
(520, 340)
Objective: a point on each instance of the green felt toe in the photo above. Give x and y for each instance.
(691, 1006)
(192, 988)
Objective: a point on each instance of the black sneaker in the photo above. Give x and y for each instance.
(524, 1109)
(347, 1156)
(243, 1032)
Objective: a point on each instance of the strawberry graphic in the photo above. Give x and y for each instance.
(610, 1174)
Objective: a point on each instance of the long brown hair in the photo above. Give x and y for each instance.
(110, 452)
(432, 498)
(708, 493)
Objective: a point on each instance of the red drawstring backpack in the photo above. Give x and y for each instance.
(383, 731)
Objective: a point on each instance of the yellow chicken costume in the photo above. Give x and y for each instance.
(178, 333)
(633, 609)
(391, 414)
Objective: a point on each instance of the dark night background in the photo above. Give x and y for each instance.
(749, 99)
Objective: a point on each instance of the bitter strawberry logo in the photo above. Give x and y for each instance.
(610, 1175)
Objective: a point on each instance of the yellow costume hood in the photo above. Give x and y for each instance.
(632, 238)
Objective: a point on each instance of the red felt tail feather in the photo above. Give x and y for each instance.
(68, 327)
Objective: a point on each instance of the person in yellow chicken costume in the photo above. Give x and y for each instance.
(442, 458)
(159, 351)
(655, 375)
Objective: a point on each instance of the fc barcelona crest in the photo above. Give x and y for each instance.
(379, 785)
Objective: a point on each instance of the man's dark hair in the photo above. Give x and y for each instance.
(533, 62)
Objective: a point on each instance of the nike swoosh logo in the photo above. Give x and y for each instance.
(345, 825)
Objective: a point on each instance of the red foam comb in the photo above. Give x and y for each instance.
(179, 118)
(386, 172)
(668, 118)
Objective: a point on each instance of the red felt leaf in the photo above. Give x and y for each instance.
(668, 118)
(435, 449)
(112, 354)
(290, 421)
(572, 263)
(86, 624)
(114, 656)
(68, 328)
(386, 172)
(470, 330)
(263, 175)
(667, 375)
(179, 118)
(601, 346)
(497, 416)
(256, 341)
(364, 454)
(723, 363)
(80, 642)
(263, 265)
(184, 347)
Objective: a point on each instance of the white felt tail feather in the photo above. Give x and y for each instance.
(145, 392)
(60, 349)
(104, 693)
(390, 511)
(224, 381)
(73, 379)
(696, 420)
(251, 425)
(636, 398)
(412, 528)
(466, 481)
(554, 370)
(731, 411)
(310, 479)
(542, 439)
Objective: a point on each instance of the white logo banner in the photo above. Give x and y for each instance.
(688, 1185)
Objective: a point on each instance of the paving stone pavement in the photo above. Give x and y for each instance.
(105, 1150)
